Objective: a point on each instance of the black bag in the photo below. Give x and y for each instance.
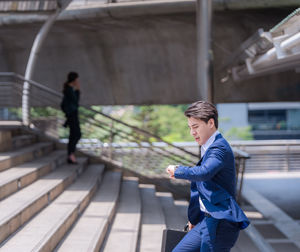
(171, 238)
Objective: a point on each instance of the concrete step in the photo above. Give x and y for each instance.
(244, 244)
(15, 178)
(174, 218)
(6, 135)
(89, 232)
(284, 246)
(21, 206)
(5, 140)
(153, 220)
(16, 157)
(123, 235)
(23, 140)
(10, 138)
(280, 220)
(182, 206)
(47, 228)
(15, 127)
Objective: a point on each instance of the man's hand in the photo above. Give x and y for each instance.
(171, 170)
(191, 226)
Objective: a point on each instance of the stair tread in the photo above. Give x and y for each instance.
(27, 136)
(47, 223)
(89, 231)
(153, 220)
(125, 228)
(14, 153)
(21, 155)
(182, 206)
(174, 218)
(15, 203)
(244, 244)
(23, 140)
(28, 167)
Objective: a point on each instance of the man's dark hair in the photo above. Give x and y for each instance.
(203, 110)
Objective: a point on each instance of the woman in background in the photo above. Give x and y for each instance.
(69, 105)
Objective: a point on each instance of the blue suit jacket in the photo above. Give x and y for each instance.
(213, 179)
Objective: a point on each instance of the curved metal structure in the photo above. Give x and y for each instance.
(38, 42)
(275, 51)
(58, 6)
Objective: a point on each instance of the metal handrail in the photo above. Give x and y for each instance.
(179, 148)
(144, 132)
(100, 124)
(168, 153)
(289, 142)
(59, 95)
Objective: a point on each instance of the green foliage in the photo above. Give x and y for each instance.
(63, 132)
(167, 121)
(17, 112)
(224, 119)
(242, 133)
(38, 112)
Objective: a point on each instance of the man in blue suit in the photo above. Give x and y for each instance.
(215, 218)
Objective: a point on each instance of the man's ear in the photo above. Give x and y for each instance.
(211, 123)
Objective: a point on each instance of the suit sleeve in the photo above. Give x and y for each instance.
(208, 169)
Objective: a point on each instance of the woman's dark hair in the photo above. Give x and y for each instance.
(203, 110)
(72, 76)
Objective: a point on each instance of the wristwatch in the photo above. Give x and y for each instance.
(175, 167)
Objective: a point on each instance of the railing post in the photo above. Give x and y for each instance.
(287, 158)
(111, 140)
(25, 104)
(242, 164)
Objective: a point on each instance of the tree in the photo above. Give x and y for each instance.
(239, 133)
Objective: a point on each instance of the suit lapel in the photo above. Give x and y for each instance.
(200, 161)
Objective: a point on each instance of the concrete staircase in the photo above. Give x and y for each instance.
(48, 205)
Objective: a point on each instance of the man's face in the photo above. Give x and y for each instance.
(201, 130)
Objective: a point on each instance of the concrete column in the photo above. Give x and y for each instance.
(204, 81)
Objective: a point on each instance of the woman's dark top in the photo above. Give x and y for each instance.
(70, 101)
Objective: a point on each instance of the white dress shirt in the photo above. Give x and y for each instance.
(204, 148)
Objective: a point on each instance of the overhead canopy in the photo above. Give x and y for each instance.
(142, 53)
(31, 6)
